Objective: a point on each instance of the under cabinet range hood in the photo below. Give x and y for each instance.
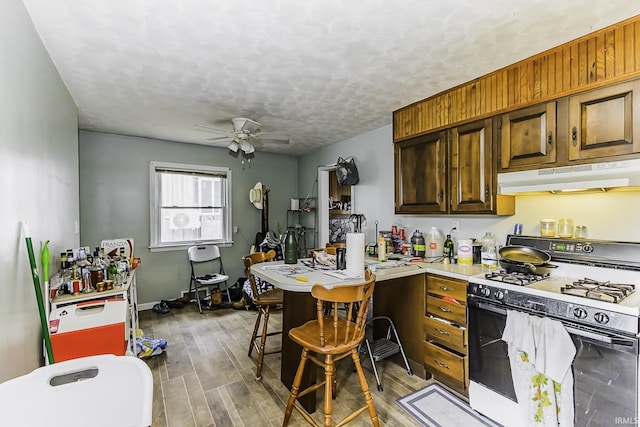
(593, 176)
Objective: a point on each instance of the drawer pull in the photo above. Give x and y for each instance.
(442, 365)
(445, 309)
(441, 331)
(446, 288)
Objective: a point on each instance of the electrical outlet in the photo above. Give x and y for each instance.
(455, 226)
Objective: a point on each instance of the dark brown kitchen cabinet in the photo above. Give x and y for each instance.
(602, 122)
(445, 331)
(472, 170)
(420, 174)
(528, 137)
(449, 172)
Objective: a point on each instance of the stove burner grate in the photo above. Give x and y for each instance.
(515, 278)
(603, 291)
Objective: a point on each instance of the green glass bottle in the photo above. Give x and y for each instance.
(447, 249)
(291, 247)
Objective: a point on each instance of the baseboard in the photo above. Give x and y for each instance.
(147, 305)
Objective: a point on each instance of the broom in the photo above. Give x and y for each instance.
(36, 285)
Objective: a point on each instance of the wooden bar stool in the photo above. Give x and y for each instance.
(264, 301)
(335, 338)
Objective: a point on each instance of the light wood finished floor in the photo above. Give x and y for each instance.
(206, 379)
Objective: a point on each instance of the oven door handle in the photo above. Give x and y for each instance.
(588, 334)
(492, 308)
(575, 331)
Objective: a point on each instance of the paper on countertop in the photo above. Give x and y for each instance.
(343, 274)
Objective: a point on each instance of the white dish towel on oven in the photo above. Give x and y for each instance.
(540, 354)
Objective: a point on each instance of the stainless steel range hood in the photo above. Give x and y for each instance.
(603, 176)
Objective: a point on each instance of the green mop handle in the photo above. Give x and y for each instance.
(36, 285)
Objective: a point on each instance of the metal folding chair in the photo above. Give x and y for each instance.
(209, 256)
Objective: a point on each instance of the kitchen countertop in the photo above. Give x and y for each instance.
(384, 271)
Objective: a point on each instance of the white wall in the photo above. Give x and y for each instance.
(608, 216)
(39, 173)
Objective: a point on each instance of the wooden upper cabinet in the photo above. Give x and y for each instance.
(602, 122)
(606, 56)
(472, 171)
(420, 174)
(528, 137)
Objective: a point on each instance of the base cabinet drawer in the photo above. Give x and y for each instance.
(454, 312)
(446, 366)
(450, 336)
(446, 287)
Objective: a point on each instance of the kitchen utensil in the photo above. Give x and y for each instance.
(524, 254)
(526, 268)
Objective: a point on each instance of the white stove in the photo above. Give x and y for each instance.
(604, 332)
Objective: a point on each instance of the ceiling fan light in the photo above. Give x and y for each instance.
(246, 147)
(233, 146)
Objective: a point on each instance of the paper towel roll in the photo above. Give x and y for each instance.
(355, 253)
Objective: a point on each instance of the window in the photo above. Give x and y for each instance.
(189, 204)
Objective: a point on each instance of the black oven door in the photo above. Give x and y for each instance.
(605, 368)
(488, 354)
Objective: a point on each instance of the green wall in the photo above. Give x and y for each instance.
(114, 201)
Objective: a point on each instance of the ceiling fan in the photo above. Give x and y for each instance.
(246, 135)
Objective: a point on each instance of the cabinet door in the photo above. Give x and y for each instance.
(420, 174)
(528, 136)
(472, 170)
(602, 122)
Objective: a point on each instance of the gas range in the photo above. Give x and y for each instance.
(557, 295)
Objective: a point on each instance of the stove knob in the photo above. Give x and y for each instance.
(580, 313)
(499, 295)
(601, 318)
(485, 292)
(587, 248)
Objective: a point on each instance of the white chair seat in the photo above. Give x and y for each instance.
(212, 279)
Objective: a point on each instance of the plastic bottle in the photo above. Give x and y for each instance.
(417, 244)
(433, 248)
(382, 249)
(489, 255)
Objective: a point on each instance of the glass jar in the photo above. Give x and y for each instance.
(548, 227)
(565, 227)
(581, 232)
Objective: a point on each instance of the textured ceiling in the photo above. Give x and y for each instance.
(320, 71)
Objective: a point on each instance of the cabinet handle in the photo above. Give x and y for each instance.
(441, 331)
(486, 191)
(442, 365)
(574, 136)
(445, 309)
(550, 139)
(446, 288)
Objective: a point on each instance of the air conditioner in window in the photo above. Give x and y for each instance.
(184, 219)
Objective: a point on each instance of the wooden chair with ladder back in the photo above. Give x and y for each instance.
(265, 301)
(330, 338)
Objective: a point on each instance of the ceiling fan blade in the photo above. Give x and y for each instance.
(222, 139)
(208, 128)
(242, 124)
(273, 138)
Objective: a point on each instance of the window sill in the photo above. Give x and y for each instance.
(185, 246)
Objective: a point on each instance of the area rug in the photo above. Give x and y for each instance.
(433, 406)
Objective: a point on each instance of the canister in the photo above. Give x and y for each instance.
(465, 252)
